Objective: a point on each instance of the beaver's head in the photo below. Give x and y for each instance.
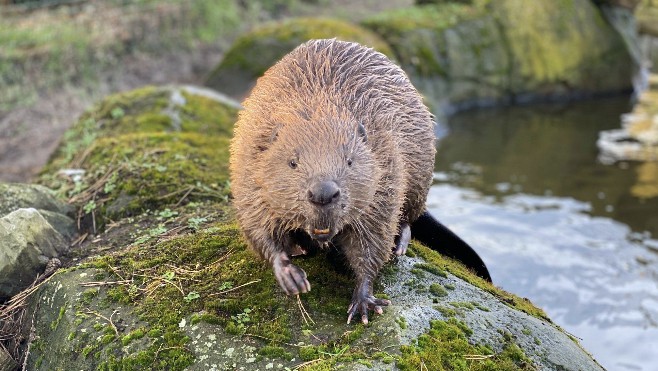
(318, 176)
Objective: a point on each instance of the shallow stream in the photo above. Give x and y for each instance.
(579, 238)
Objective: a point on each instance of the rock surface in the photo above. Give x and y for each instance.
(172, 285)
(506, 51)
(255, 51)
(647, 17)
(28, 243)
(465, 54)
(34, 227)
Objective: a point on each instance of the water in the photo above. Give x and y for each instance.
(525, 188)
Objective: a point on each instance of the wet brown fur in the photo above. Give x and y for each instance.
(307, 109)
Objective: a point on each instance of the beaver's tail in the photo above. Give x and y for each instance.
(439, 238)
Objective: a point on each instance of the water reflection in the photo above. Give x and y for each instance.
(550, 149)
(524, 187)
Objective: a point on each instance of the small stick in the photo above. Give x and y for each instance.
(305, 316)
(109, 320)
(234, 288)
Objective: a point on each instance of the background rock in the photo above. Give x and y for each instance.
(34, 227)
(28, 242)
(255, 51)
(465, 54)
(17, 195)
(506, 51)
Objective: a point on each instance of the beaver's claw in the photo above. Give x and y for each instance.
(402, 240)
(290, 277)
(363, 304)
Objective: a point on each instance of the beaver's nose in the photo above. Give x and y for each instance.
(323, 193)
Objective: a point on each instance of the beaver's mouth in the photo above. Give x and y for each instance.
(322, 235)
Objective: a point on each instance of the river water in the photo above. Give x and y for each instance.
(525, 187)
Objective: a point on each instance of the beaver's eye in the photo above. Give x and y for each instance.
(349, 162)
(292, 164)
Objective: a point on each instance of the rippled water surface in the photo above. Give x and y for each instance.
(525, 188)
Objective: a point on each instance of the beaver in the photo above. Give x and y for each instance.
(334, 147)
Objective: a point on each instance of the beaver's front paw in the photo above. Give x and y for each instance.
(290, 277)
(362, 302)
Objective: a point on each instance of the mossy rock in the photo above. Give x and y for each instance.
(490, 52)
(145, 149)
(647, 18)
(172, 285)
(254, 52)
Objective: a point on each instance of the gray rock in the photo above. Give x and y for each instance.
(28, 243)
(72, 317)
(488, 317)
(15, 196)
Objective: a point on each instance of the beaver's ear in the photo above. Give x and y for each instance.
(266, 141)
(362, 132)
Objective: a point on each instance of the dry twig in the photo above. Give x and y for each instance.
(234, 288)
(305, 316)
(109, 320)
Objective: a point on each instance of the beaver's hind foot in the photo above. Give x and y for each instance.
(363, 301)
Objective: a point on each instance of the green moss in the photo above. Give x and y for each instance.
(447, 312)
(132, 163)
(435, 17)
(225, 257)
(87, 350)
(418, 273)
(55, 323)
(464, 273)
(438, 290)
(467, 305)
(107, 338)
(88, 295)
(445, 345)
(402, 322)
(384, 357)
(133, 335)
(564, 50)
(431, 268)
(275, 352)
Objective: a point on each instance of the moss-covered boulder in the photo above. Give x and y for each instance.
(647, 17)
(254, 52)
(489, 52)
(147, 149)
(171, 284)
